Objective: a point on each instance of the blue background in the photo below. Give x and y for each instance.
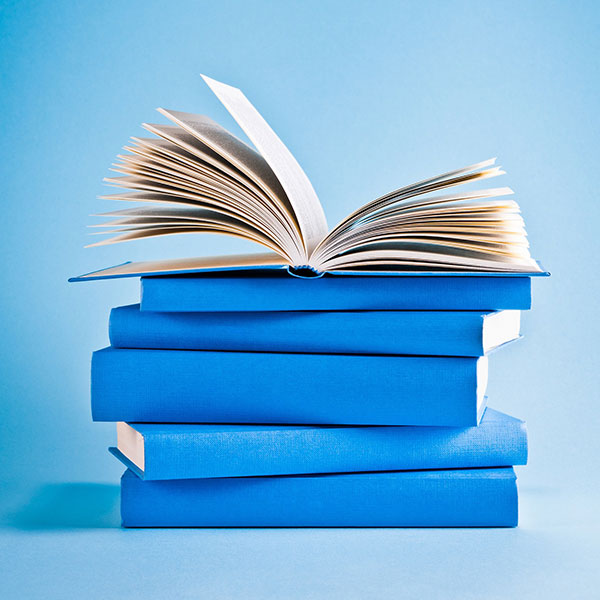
(368, 96)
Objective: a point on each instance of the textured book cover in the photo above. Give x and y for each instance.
(444, 498)
(190, 451)
(432, 333)
(184, 386)
(276, 290)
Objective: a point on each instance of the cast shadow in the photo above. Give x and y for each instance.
(69, 506)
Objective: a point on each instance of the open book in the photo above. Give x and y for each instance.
(196, 177)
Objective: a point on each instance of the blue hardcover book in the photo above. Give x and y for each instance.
(174, 451)
(275, 290)
(445, 498)
(195, 386)
(434, 333)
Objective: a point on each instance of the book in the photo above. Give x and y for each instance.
(444, 498)
(198, 386)
(156, 451)
(273, 290)
(432, 333)
(196, 177)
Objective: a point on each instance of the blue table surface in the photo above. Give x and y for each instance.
(63, 540)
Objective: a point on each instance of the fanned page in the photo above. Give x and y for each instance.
(216, 176)
(296, 184)
(415, 228)
(196, 177)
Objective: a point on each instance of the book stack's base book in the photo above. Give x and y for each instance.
(245, 414)
(444, 498)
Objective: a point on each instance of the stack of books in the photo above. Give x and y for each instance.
(255, 399)
(338, 380)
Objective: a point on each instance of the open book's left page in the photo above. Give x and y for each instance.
(299, 190)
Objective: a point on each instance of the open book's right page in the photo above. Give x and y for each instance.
(414, 228)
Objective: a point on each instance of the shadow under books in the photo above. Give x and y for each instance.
(69, 506)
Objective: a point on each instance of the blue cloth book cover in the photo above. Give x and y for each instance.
(278, 291)
(192, 451)
(430, 333)
(185, 386)
(442, 498)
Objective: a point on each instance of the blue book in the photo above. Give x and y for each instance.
(445, 498)
(174, 451)
(194, 386)
(276, 290)
(435, 333)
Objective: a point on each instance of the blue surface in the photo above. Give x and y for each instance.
(367, 97)
(61, 540)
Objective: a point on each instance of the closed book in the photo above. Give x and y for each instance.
(276, 290)
(190, 451)
(444, 498)
(195, 386)
(434, 333)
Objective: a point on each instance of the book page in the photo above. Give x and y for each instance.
(432, 256)
(228, 147)
(240, 156)
(216, 174)
(427, 186)
(411, 227)
(299, 190)
(187, 265)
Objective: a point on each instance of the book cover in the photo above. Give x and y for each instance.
(275, 290)
(444, 498)
(192, 451)
(429, 333)
(195, 386)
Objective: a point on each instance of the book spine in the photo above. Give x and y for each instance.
(178, 386)
(210, 294)
(452, 498)
(432, 333)
(296, 450)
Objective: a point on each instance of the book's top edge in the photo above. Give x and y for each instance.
(270, 271)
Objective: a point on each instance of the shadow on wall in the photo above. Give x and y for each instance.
(69, 506)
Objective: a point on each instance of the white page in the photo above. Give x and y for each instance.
(183, 265)
(230, 148)
(165, 152)
(294, 181)
(424, 187)
(386, 258)
(246, 159)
